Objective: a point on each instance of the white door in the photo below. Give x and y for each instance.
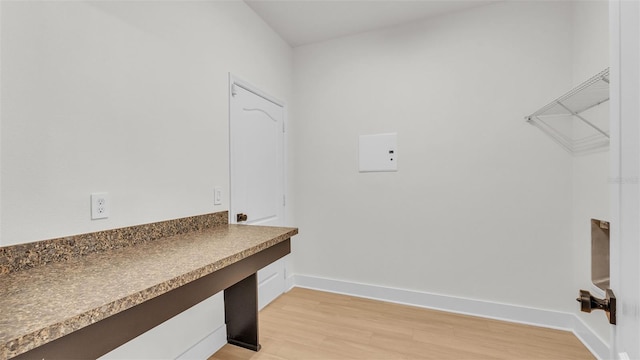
(625, 174)
(256, 124)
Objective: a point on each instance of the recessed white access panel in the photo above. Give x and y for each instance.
(378, 152)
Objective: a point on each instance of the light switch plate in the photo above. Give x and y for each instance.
(217, 195)
(378, 152)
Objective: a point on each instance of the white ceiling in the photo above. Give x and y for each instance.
(301, 22)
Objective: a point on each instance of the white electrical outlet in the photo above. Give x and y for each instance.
(99, 206)
(217, 196)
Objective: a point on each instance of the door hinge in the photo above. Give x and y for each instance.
(284, 200)
(283, 127)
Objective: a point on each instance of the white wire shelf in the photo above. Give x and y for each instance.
(576, 121)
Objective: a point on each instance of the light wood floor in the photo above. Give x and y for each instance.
(305, 324)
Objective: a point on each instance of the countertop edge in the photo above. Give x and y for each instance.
(42, 336)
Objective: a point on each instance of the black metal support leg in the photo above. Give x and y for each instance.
(241, 313)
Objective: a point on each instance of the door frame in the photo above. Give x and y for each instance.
(235, 80)
(624, 174)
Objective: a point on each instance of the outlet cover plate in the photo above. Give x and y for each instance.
(99, 205)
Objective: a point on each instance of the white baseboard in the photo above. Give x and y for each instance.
(486, 309)
(290, 282)
(623, 356)
(207, 346)
(590, 339)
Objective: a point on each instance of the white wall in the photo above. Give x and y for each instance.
(131, 98)
(590, 172)
(124, 97)
(481, 205)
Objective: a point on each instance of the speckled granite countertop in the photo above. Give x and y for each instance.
(47, 302)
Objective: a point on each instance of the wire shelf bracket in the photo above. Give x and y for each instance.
(576, 121)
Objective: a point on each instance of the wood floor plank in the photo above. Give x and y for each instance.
(307, 324)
